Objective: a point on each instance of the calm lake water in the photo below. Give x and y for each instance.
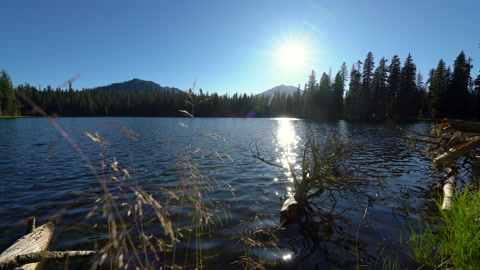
(44, 173)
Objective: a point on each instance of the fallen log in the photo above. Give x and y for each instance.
(36, 241)
(28, 251)
(36, 257)
(450, 156)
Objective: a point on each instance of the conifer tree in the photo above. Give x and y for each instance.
(367, 79)
(325, 97)
(337, 95)
(338, 91)
(353, 100)
(438, 91)
(8, 102)
(476, 99)
(422, 90)
(458, 91)
(408, 99)
(380, 89)
(393, 82)
(310, 96)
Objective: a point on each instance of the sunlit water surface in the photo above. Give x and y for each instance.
(44, 173)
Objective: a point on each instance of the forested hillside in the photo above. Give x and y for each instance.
(388, 89)
(137, 85)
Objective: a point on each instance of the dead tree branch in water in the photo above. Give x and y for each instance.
(448, 143)
(324, 168)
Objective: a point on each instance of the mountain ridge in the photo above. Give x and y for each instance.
(287, 89)
(137, 85)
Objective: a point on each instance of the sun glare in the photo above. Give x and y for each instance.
(292, 56)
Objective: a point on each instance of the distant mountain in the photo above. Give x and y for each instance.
(137, 85)
(288, 90)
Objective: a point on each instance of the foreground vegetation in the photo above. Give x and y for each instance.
(448, 237)
(451, 238)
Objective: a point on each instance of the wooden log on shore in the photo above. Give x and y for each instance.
(36, 241)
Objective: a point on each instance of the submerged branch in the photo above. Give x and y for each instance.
(256, 154)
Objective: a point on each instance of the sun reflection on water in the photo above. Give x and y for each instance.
(287, 257)
(287, 142)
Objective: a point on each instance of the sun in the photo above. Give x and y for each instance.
(292, 56)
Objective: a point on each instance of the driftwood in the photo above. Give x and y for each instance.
(36, 257)
(36, 241)
(28, 251)
(453, 154)
(448, 158)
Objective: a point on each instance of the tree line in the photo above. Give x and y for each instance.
(386, 90)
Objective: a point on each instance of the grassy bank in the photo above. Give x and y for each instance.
(451, 239)
(10, 116)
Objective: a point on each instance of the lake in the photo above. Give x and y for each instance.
(46, 172)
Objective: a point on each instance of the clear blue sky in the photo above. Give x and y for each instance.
(227, 45)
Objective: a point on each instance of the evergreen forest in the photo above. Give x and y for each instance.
(387, 89)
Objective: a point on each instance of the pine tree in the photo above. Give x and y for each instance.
(312, 81)
(458, 94)
(367, 82)
(380, 89)
(393, 82)
(438, 91)
(337, 95)
(297, 103)
(310, 97)
(422, 90)
(353, 102)
(325, 97)
(476, 99)
(408, 99)
(8, 102)
(338, 90)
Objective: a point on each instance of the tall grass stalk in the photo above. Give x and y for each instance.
(127, 211)
(125, 206)
(357, 253)
(194, 187)
(131, 210)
